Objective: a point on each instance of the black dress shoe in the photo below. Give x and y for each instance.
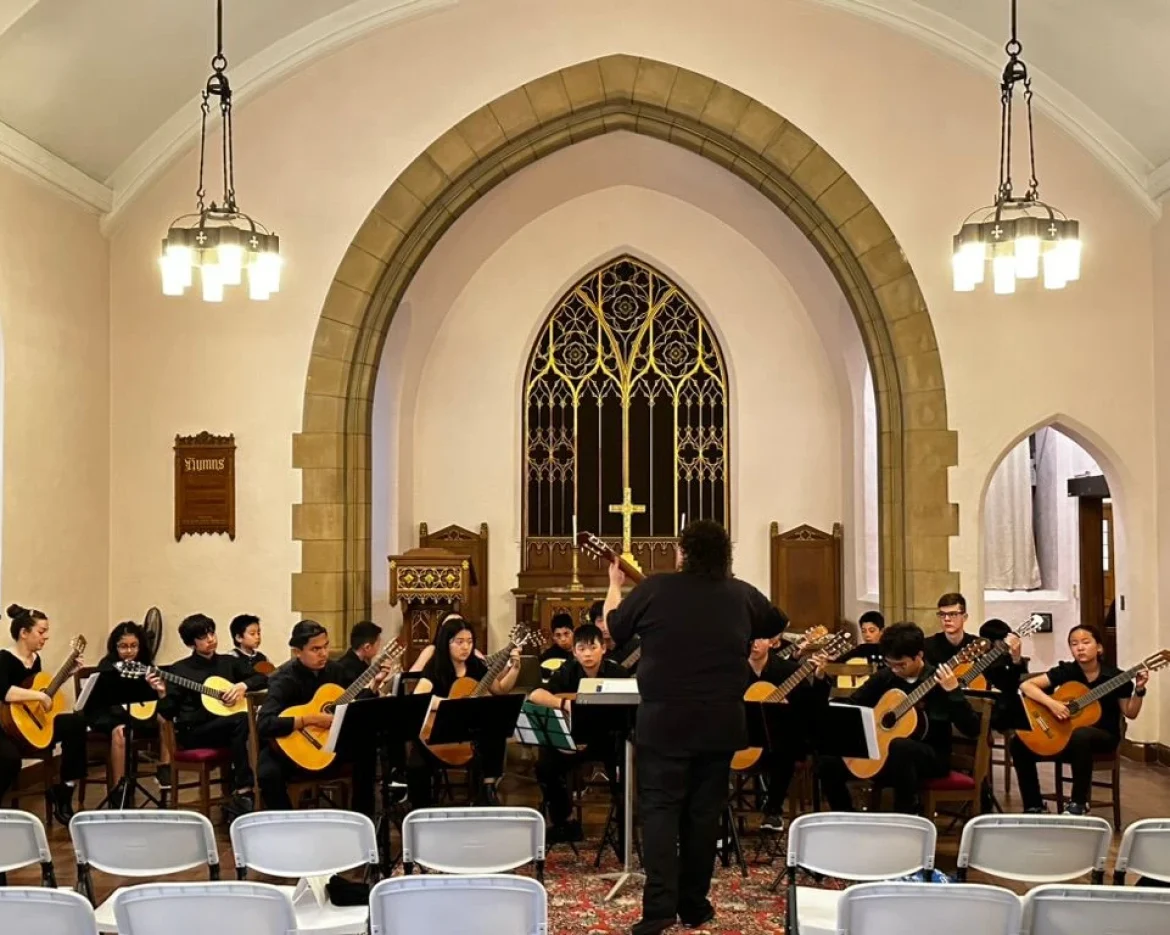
(702, 920)
(488, 794)
(651, 926)
(61, 801)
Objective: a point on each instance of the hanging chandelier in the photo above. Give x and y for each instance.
(1020, 236)
(219, 240)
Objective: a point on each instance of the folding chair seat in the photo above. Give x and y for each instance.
(500, 904)
(1035, 848)
(893, 908)
(473, 840)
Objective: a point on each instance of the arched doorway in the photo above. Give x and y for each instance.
(622, 92)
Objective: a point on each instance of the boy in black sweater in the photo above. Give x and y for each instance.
(910, 761)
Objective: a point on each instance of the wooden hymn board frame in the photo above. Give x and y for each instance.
(205, 485)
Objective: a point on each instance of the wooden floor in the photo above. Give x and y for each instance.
(1146, 794)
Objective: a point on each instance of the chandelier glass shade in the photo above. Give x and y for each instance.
(1018, 237)
(223, 243)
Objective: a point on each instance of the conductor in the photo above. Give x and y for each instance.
(697, 628)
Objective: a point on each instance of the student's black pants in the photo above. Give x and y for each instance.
(219, 733)
(276, 771)
(554, 766)
(422, 766)
(681, 796)
(68, 731)
(1084, 743)
(909, 764)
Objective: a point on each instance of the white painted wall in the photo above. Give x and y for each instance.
(478, 303)
(54, 328)
(916, 130)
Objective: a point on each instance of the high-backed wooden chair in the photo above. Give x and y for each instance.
(202, 762)
(336, 788)
(1102, 763)
(970, 768)
(97, 746)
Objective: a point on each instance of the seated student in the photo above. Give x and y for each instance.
(806, 703)
(1006, 672)
(195, 726)
(910, 762)
(245, 631)
(427, 652)
(1088, 668)
(127, 642)
(628, 654)
(455, 658)
(295, 684)
(18, 663)
(868, 648)
(553, 766)
(365, 642)
(952, 616)
(562, 637)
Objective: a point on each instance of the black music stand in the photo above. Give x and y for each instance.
(474, 720)
(390, 720)
(114, 690)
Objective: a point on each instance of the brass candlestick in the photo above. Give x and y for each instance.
(576, 584)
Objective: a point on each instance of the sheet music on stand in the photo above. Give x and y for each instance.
(87, 686)
(850, 730)
(335, 729)
(608, 691)
(538, 726)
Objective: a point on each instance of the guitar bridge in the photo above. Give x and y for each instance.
(311, 739)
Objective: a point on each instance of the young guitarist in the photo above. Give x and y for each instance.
(18, 663)
(807, 701)
(562, 638)
(589, 662)
(910, 761)
(1088, 668)
(869, 631)
(365, 642)
(455, 658)
(245, 631)
(953, 636)
(195, 726)
(622, 655)
(295, 683)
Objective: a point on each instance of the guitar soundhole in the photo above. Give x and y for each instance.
(888, 720)
(327, 709)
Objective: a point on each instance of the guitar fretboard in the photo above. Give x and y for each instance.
(983, 663)
(359, 684)
(496, 663)
(190, 684)
(62, 673)
(1096, 694)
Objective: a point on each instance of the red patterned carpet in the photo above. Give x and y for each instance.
(576, 907)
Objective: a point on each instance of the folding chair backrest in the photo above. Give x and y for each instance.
(33, 909)
(862, 846)
(473, 840)
(22, 840)
(894, 908)
(228, 908)
(1057, 909)
(1145, 850)
(1035, 848)
(314, 842)
(143, 843)
(501, 904)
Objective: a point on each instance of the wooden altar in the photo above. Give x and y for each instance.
(806, 565)
(430, 583)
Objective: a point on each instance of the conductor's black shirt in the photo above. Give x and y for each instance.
(696, 634)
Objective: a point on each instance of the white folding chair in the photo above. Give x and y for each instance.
(1145, 851)
(1035, 848)
(303, 844)
(220, 908)
(502, 904)
(139, 844)
(23, 843)
(36, 909)
(856, 846)
(893, 908)
(473, 840)
(1057, 909)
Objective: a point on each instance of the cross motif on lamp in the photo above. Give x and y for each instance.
(627, 508)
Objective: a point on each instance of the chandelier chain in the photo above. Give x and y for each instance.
(1015, 72)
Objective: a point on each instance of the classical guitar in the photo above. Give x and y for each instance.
(211, 690)
(306, 747)
(264, 668)
(896, 714)
(773, 694)
(604, 553)
(1048, 736)
(971, 675)
(460, 754)
(28, 722)
(810, 639)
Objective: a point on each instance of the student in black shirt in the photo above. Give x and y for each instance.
(428, 652)
(869, 631)
(455, 658)
(696, 628)
(195, 726)
(1006, 673)
(365, 642)
(626, 655)
(910, 761)
(562, 637)
(804, 706)
(952, 617)
(245, 631)
(127, 642)
(1088, 668)
(554, 765)
(295, 683)
(18, 663)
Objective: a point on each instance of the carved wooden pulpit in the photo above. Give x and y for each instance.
(429, 584)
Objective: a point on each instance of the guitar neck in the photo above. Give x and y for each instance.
(1096, 694)
(916, 696)
(358, 685)
(62, 674)
(189, 684)
(983, 663)
(495, 667)
(785, 688)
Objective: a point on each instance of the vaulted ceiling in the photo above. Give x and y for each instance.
(95, 93)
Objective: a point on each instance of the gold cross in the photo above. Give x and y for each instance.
(627, 508)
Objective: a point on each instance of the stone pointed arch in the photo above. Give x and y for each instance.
(622, 92)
